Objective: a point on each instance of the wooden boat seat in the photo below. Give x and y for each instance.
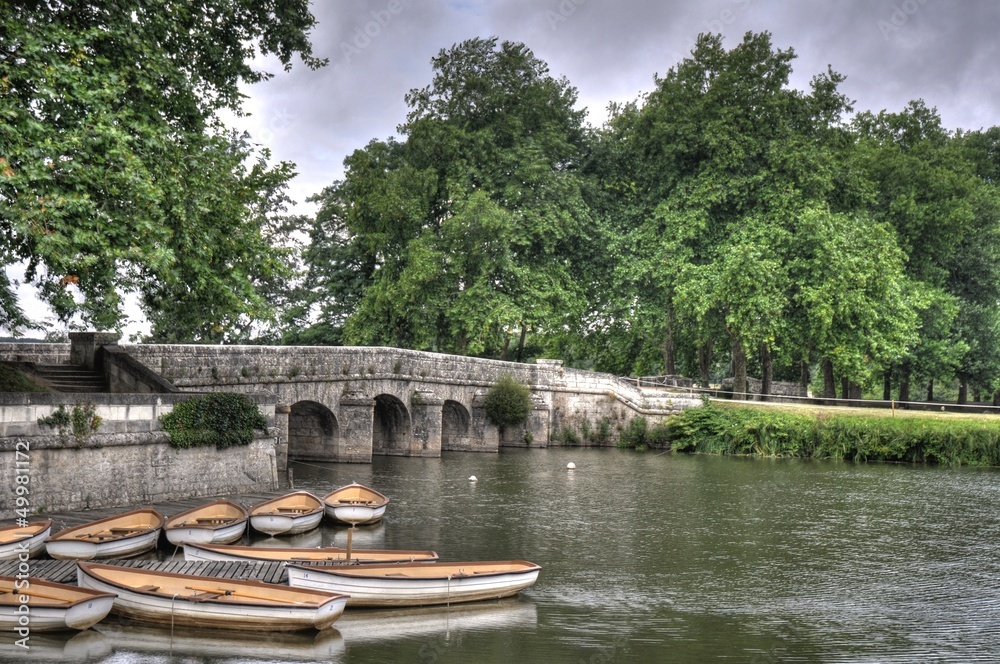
(147, 589)
(295, 510)
(344, 501)
(214, 520)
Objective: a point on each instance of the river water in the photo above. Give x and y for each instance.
(650, 557)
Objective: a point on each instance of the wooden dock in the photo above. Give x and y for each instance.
(64, 571)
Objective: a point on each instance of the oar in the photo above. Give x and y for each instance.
(35, 593)
(222, 591)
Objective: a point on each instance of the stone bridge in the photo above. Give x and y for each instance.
(346, 404)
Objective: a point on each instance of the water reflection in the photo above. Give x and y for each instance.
(125, 636)
(649, 558)
(68, 646)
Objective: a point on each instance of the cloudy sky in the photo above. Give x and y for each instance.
(942, 51)
(945, 52)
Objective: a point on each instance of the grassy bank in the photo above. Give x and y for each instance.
(12, 380)
(828, 434)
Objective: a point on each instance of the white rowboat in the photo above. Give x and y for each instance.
(418, 584)
(290, 514)
(218, 522)
(355, 504)
(118, 536)
(331, 555)
(29, 539)
(51, 606)
(184, 600)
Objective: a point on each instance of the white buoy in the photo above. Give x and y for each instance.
(472, 478)
(571, 466)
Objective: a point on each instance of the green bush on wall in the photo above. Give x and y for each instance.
(220, 419)
(508, 402)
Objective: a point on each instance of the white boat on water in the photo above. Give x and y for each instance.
(51, 606)
(184, 600)
(218, 522)
(120, 536)
(293, 513)
(331, 555)
(355, 504)
(18, 540)
(418, 584)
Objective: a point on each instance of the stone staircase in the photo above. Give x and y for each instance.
(70, 378)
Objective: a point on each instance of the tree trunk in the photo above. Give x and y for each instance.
(904, 382)
(930, 390)
(766, 370)
(520, 343)
(739, 370)
(506, 345)
(804, 368)
(705, 364)
(887, 385)
(668, 350)
(845, 388)
(854, 391)
(963, 390)
(996, 398)
(829, 386)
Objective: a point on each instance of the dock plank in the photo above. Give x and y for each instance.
(64, 571)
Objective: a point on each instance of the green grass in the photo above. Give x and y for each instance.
(13, 380)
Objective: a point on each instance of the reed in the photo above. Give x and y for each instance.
(763, 432)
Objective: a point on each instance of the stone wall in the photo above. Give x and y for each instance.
(128, 471)
(126, 462)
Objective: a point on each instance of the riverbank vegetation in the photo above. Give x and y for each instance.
(911, 437)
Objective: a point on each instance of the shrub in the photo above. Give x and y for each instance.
(508, 402)
(219, 419)
(80, 422)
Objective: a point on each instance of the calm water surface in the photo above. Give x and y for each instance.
(650, 558)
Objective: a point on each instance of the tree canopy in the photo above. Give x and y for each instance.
(116, 173)
(721, 224)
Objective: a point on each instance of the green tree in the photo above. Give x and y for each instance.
(472, 232)
(116, 173)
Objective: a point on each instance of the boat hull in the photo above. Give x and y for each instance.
(120, 536)
(220, 522)
(21, 541)
(80, 610)
(359, 515)
(167, 607)
(400, 590)
(280, 524)
(355, 505)
(291, 514)
(333, 556)
(122, 548)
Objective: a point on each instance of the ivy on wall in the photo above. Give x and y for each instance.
(218, 419)
(82, 421)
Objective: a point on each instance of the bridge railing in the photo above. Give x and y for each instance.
(891, 404)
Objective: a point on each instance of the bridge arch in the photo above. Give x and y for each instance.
(391, 428)
(313, 432)
(455, 426)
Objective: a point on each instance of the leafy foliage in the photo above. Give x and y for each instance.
(508, 402)
(81, 421)
(875, 437)
(219, 419)
(116, 173)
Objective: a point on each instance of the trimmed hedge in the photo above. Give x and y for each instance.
(218, 419)
(761, 432)
(507, 402)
